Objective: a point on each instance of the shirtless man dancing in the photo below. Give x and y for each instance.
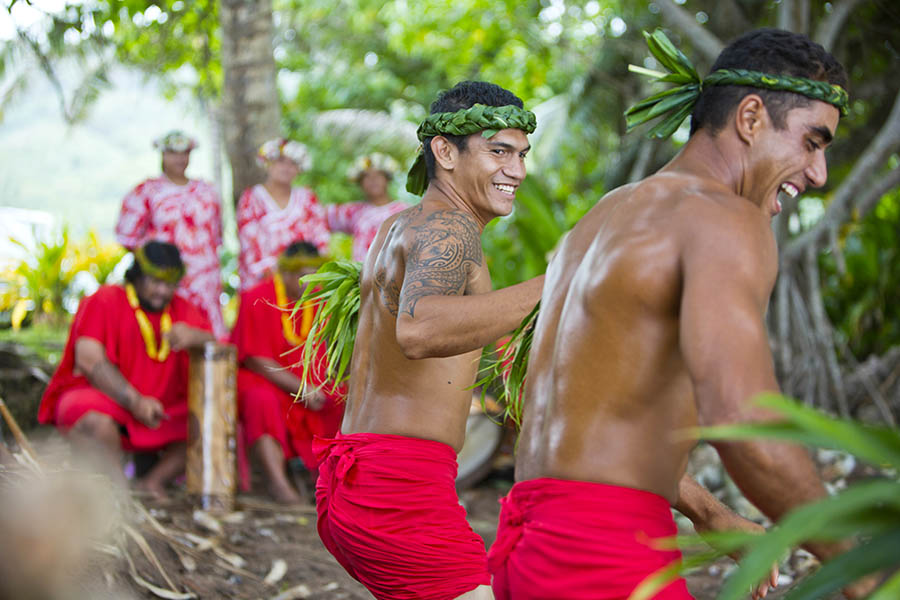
(388, 509)
(652, 322)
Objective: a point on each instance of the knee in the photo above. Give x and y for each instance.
(97, 425)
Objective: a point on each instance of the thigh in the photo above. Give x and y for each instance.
(74, 404)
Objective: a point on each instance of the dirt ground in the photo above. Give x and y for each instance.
(235, 555)
(261, 533)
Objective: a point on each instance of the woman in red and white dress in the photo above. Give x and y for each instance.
(271, 215)
(373, 173)
(181, 211)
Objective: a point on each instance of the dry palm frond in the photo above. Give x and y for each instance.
(19, 435)
(507, 366)
(334, 290)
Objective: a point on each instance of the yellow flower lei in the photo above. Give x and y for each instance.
(287, 323)
(165, 325)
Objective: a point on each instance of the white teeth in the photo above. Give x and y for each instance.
(790, 189)
(505, 188)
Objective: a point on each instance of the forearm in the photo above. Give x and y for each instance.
(107, 378)
(274, 373)
(697, 504)
(777, 478)
(451, 325)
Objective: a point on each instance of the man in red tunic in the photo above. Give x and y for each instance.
(270, 340)
(122, 381)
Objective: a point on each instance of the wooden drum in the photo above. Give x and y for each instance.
(212, 407)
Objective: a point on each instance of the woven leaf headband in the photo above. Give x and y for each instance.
(479, 118)
(677, 103)
(148, 267)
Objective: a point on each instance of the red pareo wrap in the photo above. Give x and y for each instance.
(389, 513)
(580, 541)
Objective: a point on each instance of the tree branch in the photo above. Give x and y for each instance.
(701, 38)
(830, 27)
(872, 196)
(645, 153)
(785, 19)
(49, 72)
(847, 194)
(823, 331)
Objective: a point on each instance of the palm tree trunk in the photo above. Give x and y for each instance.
(250, 110)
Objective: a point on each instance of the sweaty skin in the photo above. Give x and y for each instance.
(652, 319)
(427, 308)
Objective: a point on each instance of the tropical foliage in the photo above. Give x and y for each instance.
(43, 283)
(334, 290)
(356, 75)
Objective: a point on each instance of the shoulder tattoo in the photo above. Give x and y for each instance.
(444, 249)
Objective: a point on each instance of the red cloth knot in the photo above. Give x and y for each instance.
(512, 525)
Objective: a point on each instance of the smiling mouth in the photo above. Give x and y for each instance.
(506, 188)
(790, 189)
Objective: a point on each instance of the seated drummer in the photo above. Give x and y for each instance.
(269, 342)
(123, 379)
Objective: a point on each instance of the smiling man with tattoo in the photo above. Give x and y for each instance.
(388, 508)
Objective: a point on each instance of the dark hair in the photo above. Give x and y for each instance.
(161, 254)
(465, 94)
(771, 51)
(301, 247)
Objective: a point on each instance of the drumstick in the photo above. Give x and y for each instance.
(18, 434)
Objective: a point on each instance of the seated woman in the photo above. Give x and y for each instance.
(122, 382)
(273, 214)
(270, 339)
(373, 173)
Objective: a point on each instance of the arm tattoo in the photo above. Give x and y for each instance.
(389, 290)
(445, 247)
(107, 378)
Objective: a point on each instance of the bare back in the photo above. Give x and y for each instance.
(608, 388)
(391, 393)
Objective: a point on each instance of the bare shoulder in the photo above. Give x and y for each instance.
(727, 231)
(443, 250)
(427, 251)
(443, 235)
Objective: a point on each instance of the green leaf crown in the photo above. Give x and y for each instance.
(677, 103)
(479, 117)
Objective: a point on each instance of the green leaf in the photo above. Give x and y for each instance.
(889, 590)
(878, 553)
(804, 524)
(877, 445)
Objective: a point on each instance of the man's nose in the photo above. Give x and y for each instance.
(516, 168)
(817, 172)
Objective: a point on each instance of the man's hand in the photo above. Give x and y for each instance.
(708, 514)
(148, 410)
(731, 521)
(314, 399)
(182, 336)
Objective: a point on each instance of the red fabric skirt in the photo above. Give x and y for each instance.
(389, 513)
(136, 437)
(266, 410)
(579, 540)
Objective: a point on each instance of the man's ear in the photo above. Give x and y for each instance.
(750, 118)
(445, 152)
